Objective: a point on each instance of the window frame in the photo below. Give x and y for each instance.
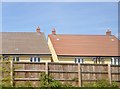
(98, 60)
(16, 58)
(79, 60)
(115, 61)
(35, 59)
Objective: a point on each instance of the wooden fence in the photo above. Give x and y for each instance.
(68, 73)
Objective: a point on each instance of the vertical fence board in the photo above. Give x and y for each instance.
(79, 75)
(11, 72)
(109, 73)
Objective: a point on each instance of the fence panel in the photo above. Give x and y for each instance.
(26, 73)
(64, 72)
(69, 73)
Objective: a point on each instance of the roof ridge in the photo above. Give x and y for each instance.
(80, 35)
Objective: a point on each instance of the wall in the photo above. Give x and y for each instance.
(67, 59)
(52, 50)
(26, 58)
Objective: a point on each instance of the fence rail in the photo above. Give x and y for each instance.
(73, 73)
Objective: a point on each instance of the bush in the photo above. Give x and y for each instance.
(102, 83)
(47, 81)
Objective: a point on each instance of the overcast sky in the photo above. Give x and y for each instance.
(65, 17)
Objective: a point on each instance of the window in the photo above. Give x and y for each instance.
(79, 60)
(115, 61)
(98, 60)
(5, 58)
(16, 59)
(34, 59)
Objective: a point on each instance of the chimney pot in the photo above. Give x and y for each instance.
(38, 29)
(53, 31)
(108, 32)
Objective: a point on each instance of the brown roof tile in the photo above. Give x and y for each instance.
(85, 45)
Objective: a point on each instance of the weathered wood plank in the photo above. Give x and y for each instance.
(29, 70)
(79, 76)
(109, 73)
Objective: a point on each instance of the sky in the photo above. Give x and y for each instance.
(65, 17)
(0, 17)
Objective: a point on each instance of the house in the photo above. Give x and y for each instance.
(25, 46)
(76, 48)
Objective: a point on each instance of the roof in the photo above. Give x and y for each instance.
(119, 48)
(84, 45)
(23, 43)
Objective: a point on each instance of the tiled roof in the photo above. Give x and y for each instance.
(85, 45)
(119, 48)
(23, 43)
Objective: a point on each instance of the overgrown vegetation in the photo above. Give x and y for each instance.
(48, 81)
(102, 84)
(5, 74)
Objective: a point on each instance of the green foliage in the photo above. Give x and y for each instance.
(114, 84)
(5, 73)
(75, 79)
(28, 84)
(102, 83)
(47, 81)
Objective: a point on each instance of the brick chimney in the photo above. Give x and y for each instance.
(53, 31)
(108, 32)
(38, 29)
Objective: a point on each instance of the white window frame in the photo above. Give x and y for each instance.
(79, 60)
(15, 59)
(35, 59)
(115, 61)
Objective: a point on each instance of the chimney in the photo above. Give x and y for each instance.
(108, 32)
(53, 31)
(38, 29)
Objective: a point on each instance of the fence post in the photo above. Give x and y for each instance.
(11, 73)
(1, 72)
(109, 73)
(79, 75)
(1, 62)
(46, 68)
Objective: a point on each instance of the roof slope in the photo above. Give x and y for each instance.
(24, 43)
(119, 48)
(85, 45)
